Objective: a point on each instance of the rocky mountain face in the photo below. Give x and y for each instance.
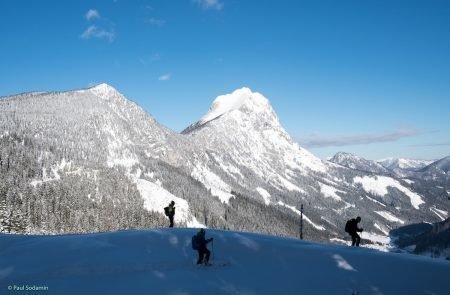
(91, 160)
(249, 140)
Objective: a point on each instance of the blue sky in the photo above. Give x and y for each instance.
(366, 77)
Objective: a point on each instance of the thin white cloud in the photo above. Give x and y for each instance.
(150, 58)
(155, 22)
(431, 144)
(209, 4)
(165, 77)
(95, 32)
(92, 14)
(326, 141)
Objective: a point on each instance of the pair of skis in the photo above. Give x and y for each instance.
(215, 263)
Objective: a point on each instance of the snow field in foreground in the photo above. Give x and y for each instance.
(161, 261)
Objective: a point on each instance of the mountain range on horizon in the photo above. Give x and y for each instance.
(92, 160)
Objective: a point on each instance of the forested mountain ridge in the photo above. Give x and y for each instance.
(425, 238)
(91, 160)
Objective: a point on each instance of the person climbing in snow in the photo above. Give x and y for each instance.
(170, 212)
(199, 243)
(351, 227)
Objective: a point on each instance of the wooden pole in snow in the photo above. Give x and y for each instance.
(301, 222)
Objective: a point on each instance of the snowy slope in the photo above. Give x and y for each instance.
(156, 198)
(379, 186)
(162, 262)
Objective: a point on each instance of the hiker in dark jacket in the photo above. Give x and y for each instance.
(352, 228)
(201, 243)
(170, 212)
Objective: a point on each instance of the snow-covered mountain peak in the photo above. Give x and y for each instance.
(245, 123)
(104, 91)
(243, 99)
(342, 156)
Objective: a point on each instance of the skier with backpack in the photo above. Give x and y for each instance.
(351, 227)
(199, 243)
(170, 212)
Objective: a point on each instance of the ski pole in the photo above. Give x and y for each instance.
(212, 249)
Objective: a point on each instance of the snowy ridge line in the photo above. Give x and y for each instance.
(392, 163)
